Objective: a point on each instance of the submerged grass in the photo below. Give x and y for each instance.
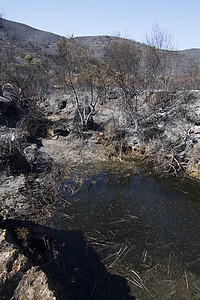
(150, 277)
(168, 279)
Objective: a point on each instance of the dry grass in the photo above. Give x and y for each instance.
(168, 279)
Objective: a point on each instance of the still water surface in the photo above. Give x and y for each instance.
(155, 218)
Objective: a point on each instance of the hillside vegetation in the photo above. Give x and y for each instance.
(147, 88)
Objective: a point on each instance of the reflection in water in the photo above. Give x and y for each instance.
(115, 204)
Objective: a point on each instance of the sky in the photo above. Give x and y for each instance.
(131, 18)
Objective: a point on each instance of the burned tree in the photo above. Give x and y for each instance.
(161, 60)
(124, 59)
(79, 73)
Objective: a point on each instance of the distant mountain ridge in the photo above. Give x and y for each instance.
(18, 33)
(192, 53)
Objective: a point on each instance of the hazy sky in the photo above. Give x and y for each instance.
(132, 18)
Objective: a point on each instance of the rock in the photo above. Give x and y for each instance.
(12, 266)
(18, 280)
(11, 154)
(57, 102)
(34, 285)
(192, 107)
(195, 132)
(62, 104)
(113, 94)
(11, 201)
(133, 140)
(193, 168)
(4, 100)
(4, 106)
(61, 130)
(30, 153)
(11, 260)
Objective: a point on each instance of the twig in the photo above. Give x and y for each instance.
(186, 280)
(139, 284)
(135, 282)
(136, 275)
(93, 289)
(99, 232)
(64, 200)
(152, 268)
(141, 281)
(112, 233)
(144, 255)
(168, 269)
(122, 220)
(196, 287)
(109, 256)
(119, 254)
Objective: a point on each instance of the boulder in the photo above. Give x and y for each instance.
(4, 102)
(61, 130)
(192, 106)
(19, 280)
(34, 285)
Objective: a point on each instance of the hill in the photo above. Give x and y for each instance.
(14, 32)
(191, 53)
(17, 32)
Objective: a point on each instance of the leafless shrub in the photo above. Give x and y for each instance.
(193, 166)
(114, 139)
(12, 157)
(34, 122)
(171, 158)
